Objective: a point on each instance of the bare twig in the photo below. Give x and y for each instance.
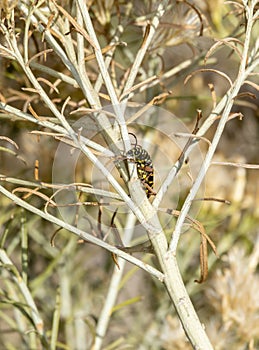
(228, 103)
(81, 234)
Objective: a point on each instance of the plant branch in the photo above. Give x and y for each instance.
(143, 49)
(229, 101)
(114, 287)
(81, 234)
(53, 126)
(25, 292)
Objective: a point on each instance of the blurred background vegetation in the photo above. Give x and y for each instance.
(79, 274)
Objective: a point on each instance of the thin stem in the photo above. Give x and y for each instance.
(143, 49)
(81, 234)
(55, 127)
(80, 45)
(108, 59)
(25, 292)
(55, 321)
(86, 87)
(38, 87)
(105, 75)
(223, 120)
(55, 74)
(177, 166)
(98, 52)
(24, 246)
(113, 291)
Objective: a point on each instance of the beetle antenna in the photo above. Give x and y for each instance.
(135, 137)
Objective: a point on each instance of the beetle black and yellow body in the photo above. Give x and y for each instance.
(144, 167)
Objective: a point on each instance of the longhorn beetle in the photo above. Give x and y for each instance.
(145, 168)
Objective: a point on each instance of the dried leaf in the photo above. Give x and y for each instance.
(35, 192)
(208, 70)
(251, 83)
(78, 28)
(203, 260)
(114, 258)
(225, 42)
